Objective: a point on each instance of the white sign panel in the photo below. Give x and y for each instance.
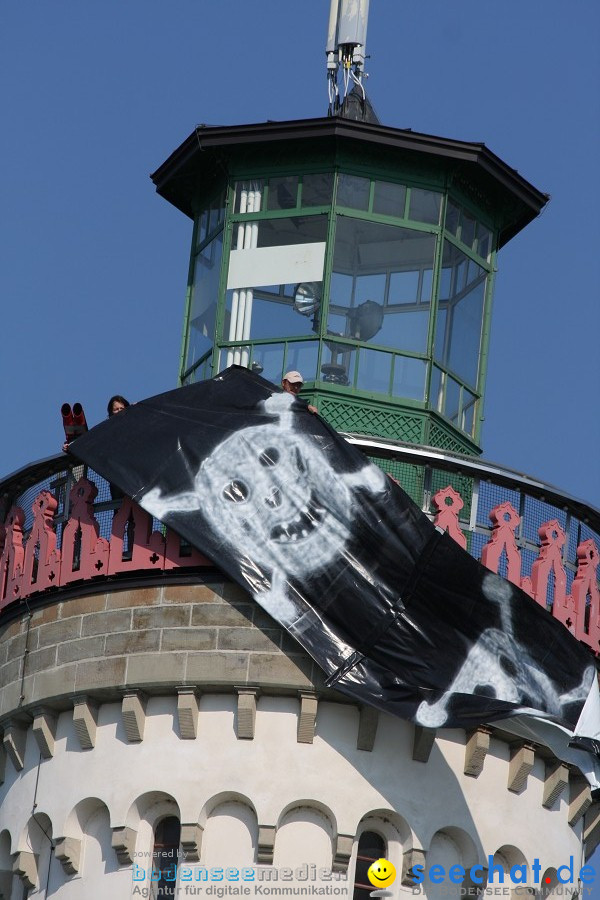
(287, 264)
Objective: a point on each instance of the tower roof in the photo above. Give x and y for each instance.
(200, 159)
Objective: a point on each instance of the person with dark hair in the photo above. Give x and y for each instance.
(116, 405)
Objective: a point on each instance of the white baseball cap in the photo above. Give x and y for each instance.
(293, 377)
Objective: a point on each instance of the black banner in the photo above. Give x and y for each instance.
(395, 612)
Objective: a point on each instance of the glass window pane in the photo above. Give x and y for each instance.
(282, 192)
(407, 329)
(369, 287)
(440, 332)
(353, 191)
(271, 313)
(337, 326)
(484, 243)
(341, 289)
(203, 305)
(213, 219)
(303, 356)
(317, 190)
(404, 287)
(445, 282)
(426, 285)
(295, 230)
(425, 206)
(465, 338)
(409, 378)
(452, 399)
(435, 390)
(473, 272)
(374, 370)
(452, 217)
(219, 207)
(205, 370)
(267, 360)
(389, 199)
(274, 249)
(467, 231)
(201, 372)
(337, 363)
(460, 315)
(248, 195)
(238, 356)
(468, 411)
(375, 284)
(202, 227)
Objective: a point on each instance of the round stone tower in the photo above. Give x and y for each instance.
(163, 736)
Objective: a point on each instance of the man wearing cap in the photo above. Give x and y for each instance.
(292, 383)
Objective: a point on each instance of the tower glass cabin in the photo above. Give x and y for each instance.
(360, 255)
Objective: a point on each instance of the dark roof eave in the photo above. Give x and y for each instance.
(222, 137)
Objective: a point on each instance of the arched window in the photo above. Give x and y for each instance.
(165, 857)
(371, 846)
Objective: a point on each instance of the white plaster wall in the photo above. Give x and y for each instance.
(443, 851)
(230, 836)
(231, 786)
(37, 837)
(304, 836)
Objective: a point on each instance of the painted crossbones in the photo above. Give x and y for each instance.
(499, 665)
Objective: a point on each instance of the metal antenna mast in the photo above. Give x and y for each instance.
(346, 40)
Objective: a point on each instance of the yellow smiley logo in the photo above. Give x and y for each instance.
(381, 873)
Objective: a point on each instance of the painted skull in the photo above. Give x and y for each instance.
(274, 498)
(270, 494)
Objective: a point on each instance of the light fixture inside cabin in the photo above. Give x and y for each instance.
(307, 298)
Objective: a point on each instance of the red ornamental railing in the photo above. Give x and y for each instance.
(579, 611)
(34, 564)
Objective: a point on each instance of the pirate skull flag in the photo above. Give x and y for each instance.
(394, 611)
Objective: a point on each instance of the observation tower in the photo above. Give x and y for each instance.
(153, 716)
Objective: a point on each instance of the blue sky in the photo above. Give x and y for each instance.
(93, 263)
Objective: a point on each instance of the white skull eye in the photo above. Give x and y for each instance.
(236, 491)
(269, 457)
